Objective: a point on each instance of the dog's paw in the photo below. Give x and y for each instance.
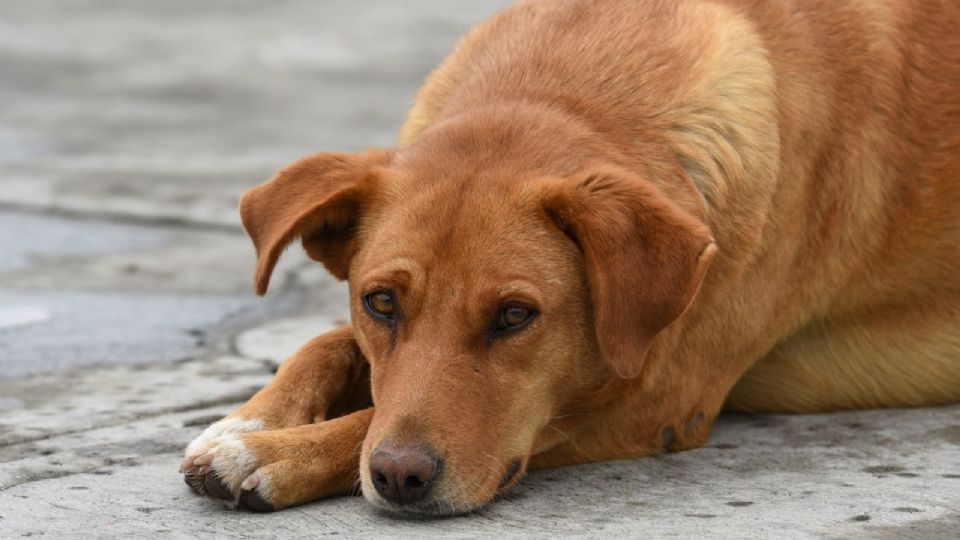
(227, 426)
(205, 446)
(227, 470)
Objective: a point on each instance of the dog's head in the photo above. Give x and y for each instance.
(490, 291)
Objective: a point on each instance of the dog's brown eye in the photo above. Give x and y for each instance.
(380, 304)
(513, 318)
(515, 315)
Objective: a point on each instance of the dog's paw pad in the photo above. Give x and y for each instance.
(251, 500)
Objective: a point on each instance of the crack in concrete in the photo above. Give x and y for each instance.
(234, 398)
(107, 461)
(120, 217)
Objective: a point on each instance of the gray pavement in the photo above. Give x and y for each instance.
(127, 323)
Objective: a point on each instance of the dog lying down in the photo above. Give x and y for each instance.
(604, 222)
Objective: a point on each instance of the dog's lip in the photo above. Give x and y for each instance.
(512, 472)
(431, 508)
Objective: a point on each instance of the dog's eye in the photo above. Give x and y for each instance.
(514, 315)
(380, 304)
(513, 318)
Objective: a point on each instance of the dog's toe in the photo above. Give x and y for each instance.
(252, 493)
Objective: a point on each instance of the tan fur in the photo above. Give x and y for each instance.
(277, 433)
(733, 203)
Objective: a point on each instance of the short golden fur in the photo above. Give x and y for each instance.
(711, 203)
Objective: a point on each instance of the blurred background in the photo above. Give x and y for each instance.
(128, 131)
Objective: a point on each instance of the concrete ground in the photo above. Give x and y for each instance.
(127, 323)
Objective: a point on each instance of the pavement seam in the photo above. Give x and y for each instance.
(231, 399)
(120, 217)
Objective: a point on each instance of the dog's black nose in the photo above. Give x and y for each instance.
(403, 474)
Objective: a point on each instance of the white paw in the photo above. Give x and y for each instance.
(227, 471)
(227, 426)
(229, 460)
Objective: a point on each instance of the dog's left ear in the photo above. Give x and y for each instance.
(645, 257)
(318, 199)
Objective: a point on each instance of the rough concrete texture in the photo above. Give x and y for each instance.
(127, 132)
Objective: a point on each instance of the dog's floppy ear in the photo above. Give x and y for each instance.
(319, 199)
(645, 257)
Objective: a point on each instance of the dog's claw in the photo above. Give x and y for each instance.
(194, 479)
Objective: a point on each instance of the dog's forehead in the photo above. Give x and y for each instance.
(450, 215)
(467, 232)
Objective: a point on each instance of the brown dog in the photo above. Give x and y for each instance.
(605, 221)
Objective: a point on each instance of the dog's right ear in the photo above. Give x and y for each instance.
(644, 257)
(318, 199)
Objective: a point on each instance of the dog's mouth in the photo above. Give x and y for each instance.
(509, 478)
(423, 510)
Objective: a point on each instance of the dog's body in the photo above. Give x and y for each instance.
(696, 204)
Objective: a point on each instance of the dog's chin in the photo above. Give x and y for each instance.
(434, 507)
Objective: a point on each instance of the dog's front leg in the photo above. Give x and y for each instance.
(270, 470)
(326, 378)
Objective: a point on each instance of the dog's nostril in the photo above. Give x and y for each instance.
(381, 479)
(414, 482)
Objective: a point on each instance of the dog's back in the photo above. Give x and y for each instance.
(824, 138)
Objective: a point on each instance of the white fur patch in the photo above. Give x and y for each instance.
(232, 462)
(227, 426)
